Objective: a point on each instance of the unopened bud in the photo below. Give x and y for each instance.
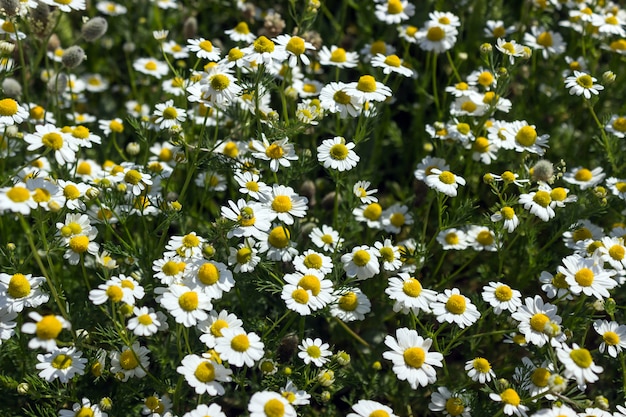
(57, 84)
(6, 48)
(133, 148)
(11, 88)
(486, 48)
(73, 56)
(105, 404)
(190, 27)
(94, 28)
(608, 77)
(23, 388)
(543, 170)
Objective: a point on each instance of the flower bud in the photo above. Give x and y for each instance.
(11, 88)
(73, 56)
(190, 27)
(94, 28)
(6, 48)
(486, 48)
(543, 170)
(608, 77)
(133, 148)
(57, 84)
(23, 388)
(105, 404)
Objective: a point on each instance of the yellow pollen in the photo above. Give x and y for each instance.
(372, 211)
(545, 39)
(584, 277)
(328, 239)
(610, 338)
(379, 413)
(414, 357)
(282, 204)
(508, 47)
(387, 254)
(296, 45)
(240, 343)
(435, 34)
(188, 301)
(411, 31)
(80, 132)
(526, 136)
(507, 213)
(274, 408)
(37, 112)
(244, 255)
(338, 55)
(482, 365)
(342, 98)
(71, 192)
(132, 176)
(114, 293)
(456, 304)
(84, 412)
(583, 175)
(8, 107)
(621, 186)
(542, 198)
(412, 287)
(311, 283)
(170, 113)
(361, 258)
(10, 27)
(581, 357)
(41, 195)
(231, 150)
(235, 54)
(559, 281)
(263, 45)
(208, 274)
(581, 234)
(279, 237)
(79, 244)
(498, 32)
(48, 327)
(300, 296)
(509, 396)
(220, 82)
(313, 261)
(503, 293)
(397, 219)
(144, 319)
(617, 252)
(469, 106)
(190, 241)
(349, 301)
(62, 361)
(242, 28)
(538, 322)
(116, 126)
(205, 372)
(52, 140)
(339, 151)
(19, 287)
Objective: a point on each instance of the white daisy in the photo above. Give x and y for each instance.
(409, 294)
(63, 364)
(583, 84)
(204, 374)
(502, 297)
(46, 330)
(389, 255)
(453, 239)
(253, 219)
(367, 89)
(361, 263)
(336, 154)
(511, 400)
(350, 304)
(239, 348)
(368, 408)
(613, 336)
(270, 404)
(326, 238)
(586, 276)
(280, 152)
(187, 305)
(444, 182)
(453, 307)
(146, 321)
(479, 370)
(18, 291)
(584, 177)
(284, 204)
(314, 351)
(244, 257)
(578, 364)
(452, 404)
(130, 362)
(535, 318)
(212, 327)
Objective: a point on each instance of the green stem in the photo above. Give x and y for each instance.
(351, 332)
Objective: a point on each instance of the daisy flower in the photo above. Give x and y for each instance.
(368, 408)
(411, 358)
(501, 297)
(334, 97)
(369, 213)
(391, 63)
(586, 276)
(444, 182)
(394, 11)
(204, 374)
(130, 362)
(546, 41)
(46, 330)
(211, 277)
(617, 187)
(510, 48)
(299, 299)
(613, 336)
(311, 260)
(497, 29)
(203, 410)
(613, 251)
(408, 32)
(584, 177)
(314, 351)
(7, 324)
(11, 112)
(389, 255)
(479, 370)
(238, 347)
(155, 406)
(253, 219)
(360, 190)
(284, 204)
(213, 326)
(280, 152)
(117, 289)
(453, 307)
(169, 269)
(482, 238)
(452, 404)
(578, 364)
(539, 203)
(436, 37)
(135, 182)
(616, 126)
(249, 184)
(525, 137)
(367, 89)
(146, 322)
(83, 408)
(350, 304)
(555, 286)
(244, 257)
(53, 139)
(295, 47)
(361, 263)
(453, 239)
(151, 66)
(218, 88)
(583, 84)
(395, 217)
(278, 245)
(270, 404)
(167, 115)
(241, 33)
(264, 51)
(534, 317)
(409, 294)
(338, 57)
(512, 402)
(336, 154)
(66, 5)
(294, 395)
(507, 215)
(72, 193)
(18, 291)
(187, 305)
(63, 364)
(326, 238)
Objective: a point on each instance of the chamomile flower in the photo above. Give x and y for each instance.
(284, 204)
(453, 307)
(350, 304)
(526, 138)
(583, 84)
(239, 348)
(187, 305)
(437, 37)
(280, 152)
(314, 351)
(204, 375)
(62, 364)
(507, 215)
(54, 140)
(584, 177)
(177, 51)
(412, 360)
(394, 11)
(497, 29)
(617, 187)
(169, 269)
(218, 88)
(278, 245)
(452, 404)
(211, 277)
(117, 289)
(360, 190)
(71, 193)
(555, 286)
(253, 219)
(453, 239)
(395, 217)
(264, 51)
(613, 336)
(369, 213)
(391, 63)
(546, 41)
(270, 404)
(578, 364)
(156, 406)
(18, 291)
(533, 317)
(250, 184)
(212, 327)
(66, 5)
(335, 98)
(336, 154)
(151, 66)
(131, 362)
(78, 245)
(502, 297)
(479, 370)
(367, 89)
(296, 48)
(136, 182)
(294, 395)
(167, 115)
(83, 408)
(326, 238)
(11, 112)
(586, 276)
(203, 410)
(538, 203)
(368, 408)
(338, 57)
(240, 33)
(361, 262)
(244, 257)
(409, 294)
(389, 255)
(512, 402)
(612, 251)
(616, 126)
(146, 321)
(444, 182)
(510, 48)
(311, 260)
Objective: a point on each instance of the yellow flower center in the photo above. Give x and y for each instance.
(349, 301)
(412, 287)
(170, 268)
(231, 150)
(508, 47)
(452, 238)
(296, 45)
(503, 293)
(220, 82)
(621, 186)
(584, 277)
(244, 255)
(328, 239)
(71, 192)
(366, 83)
(482, 365)
(338, 55)
(48, 327)
(217, 326)
(150, 66)
(80, 132)
(542, 198)
(341, 97)
(372, 211)
(585, 81)
(235, 54)
(274, 408)
(19, 287)
(616, 252)
(507, 213)
(144, 319)
(394, 7)
(397, 219)
(41, 195)
(274, 151)
(558, 194)
(206, 46)
(114, 293)
(540, 377)
(387, 254)
(61, 361)
(456, 304)
(454, 406)
(300, 296)
(240, 343)
(205, 372)
(79, 244)
(509, 396)
(414, 357)
(485, 238)
(242, 28)
(208, 274)
(154, 404)
(619, 124)
(361, 258)
(379, 413)
(188, 301)
(581, 357)
(279, 237)
(246, 218)
(610, 338)
(538, 322)
(128, 360)
(339, 151)
(311, 283)
(263, 45)
(526, 136)
(469, 106)
(481, 144)
(8, 107)
(190, 241)
(37, 112)
(545, 39)
(52, 140)
(9, 27)
(435, 34)
(132, 176)
(411, 30)
(314, 351)
(281, 204)
(447, 177)
(170, 113)
(583, 174)
(559, 281)
(393, 61)
(313, 260)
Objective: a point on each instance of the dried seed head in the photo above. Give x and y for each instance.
(10, 7)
